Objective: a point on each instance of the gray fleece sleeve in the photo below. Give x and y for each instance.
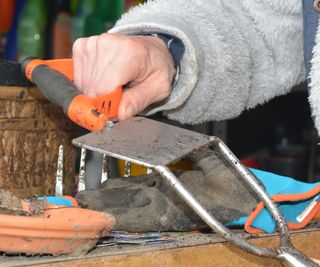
(238, 53)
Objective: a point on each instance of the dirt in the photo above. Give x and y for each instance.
(9, 201)
(10, 204)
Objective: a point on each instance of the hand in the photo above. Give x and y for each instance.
(142, 63)
(317, 261)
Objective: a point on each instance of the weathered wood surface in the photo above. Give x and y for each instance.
(31, 130)
(190, 250)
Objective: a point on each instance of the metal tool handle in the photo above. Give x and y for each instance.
(285, 252)
(294, 258)
(288, 255)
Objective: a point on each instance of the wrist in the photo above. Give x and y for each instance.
(176, 49)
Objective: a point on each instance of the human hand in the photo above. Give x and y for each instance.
(142, 63)
(317, 261)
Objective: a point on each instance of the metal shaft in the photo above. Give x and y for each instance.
(204, 214)
(105, 168)
(59, 173)
(127, 168)
(257, 187)
(82, 171)
(288, 256)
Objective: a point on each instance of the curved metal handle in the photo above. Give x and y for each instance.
(285, 252)
(294, 258)
(207, 217)
(258, 188)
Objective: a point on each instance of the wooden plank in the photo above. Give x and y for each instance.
(20, 93)
(208, 252)
(31, 130)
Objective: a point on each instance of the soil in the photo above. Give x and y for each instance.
(9, 201)
(10, 204)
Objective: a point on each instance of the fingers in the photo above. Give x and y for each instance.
(88, 62)
(317, 261)
(84, 57)
(122, 61)
(77, 63)
(102, 63)
(107, 50)
(105, 62)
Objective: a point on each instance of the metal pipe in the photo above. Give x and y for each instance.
(285, 253)
(258, 188)
(127, 168)
(82, 171)
(216, 225)
(105, 168)
(59, 173)
(294, 258)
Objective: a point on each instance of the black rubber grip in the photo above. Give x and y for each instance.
(10, 74)
(56, 87)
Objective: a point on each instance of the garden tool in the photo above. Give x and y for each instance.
(151, 144)
(148, 203)
(155, 145)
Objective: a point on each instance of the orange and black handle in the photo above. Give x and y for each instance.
(54, 78)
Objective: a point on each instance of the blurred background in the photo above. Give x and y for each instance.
(47, 28)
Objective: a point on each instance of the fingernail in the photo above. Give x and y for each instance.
(130, 111)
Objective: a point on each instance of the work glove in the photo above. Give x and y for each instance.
(147, 203)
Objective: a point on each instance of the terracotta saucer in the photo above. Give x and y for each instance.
(58, 230)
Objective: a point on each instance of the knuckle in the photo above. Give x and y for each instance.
(132, 46)
(90, 44)
(103, 39)
(77, 47)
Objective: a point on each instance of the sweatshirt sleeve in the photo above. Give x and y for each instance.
(237, 54)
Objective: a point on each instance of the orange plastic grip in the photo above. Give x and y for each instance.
(65, 66)
(93, 113)
(108, 104)
(90, 113)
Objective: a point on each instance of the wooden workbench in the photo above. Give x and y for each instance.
(189, 249)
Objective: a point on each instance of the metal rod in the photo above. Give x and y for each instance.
(82, 171)
(127, 168)
(287, 254)
(294, 258)
(105, 168)
(216, 225)
(257, 187)
(59, 173)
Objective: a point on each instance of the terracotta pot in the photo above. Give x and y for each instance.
(59, 230)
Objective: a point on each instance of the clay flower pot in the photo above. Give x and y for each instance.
(58, 230)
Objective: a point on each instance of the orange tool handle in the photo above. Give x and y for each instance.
(54, 79)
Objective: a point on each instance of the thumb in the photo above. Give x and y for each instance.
(136, 99)
(133, 101)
